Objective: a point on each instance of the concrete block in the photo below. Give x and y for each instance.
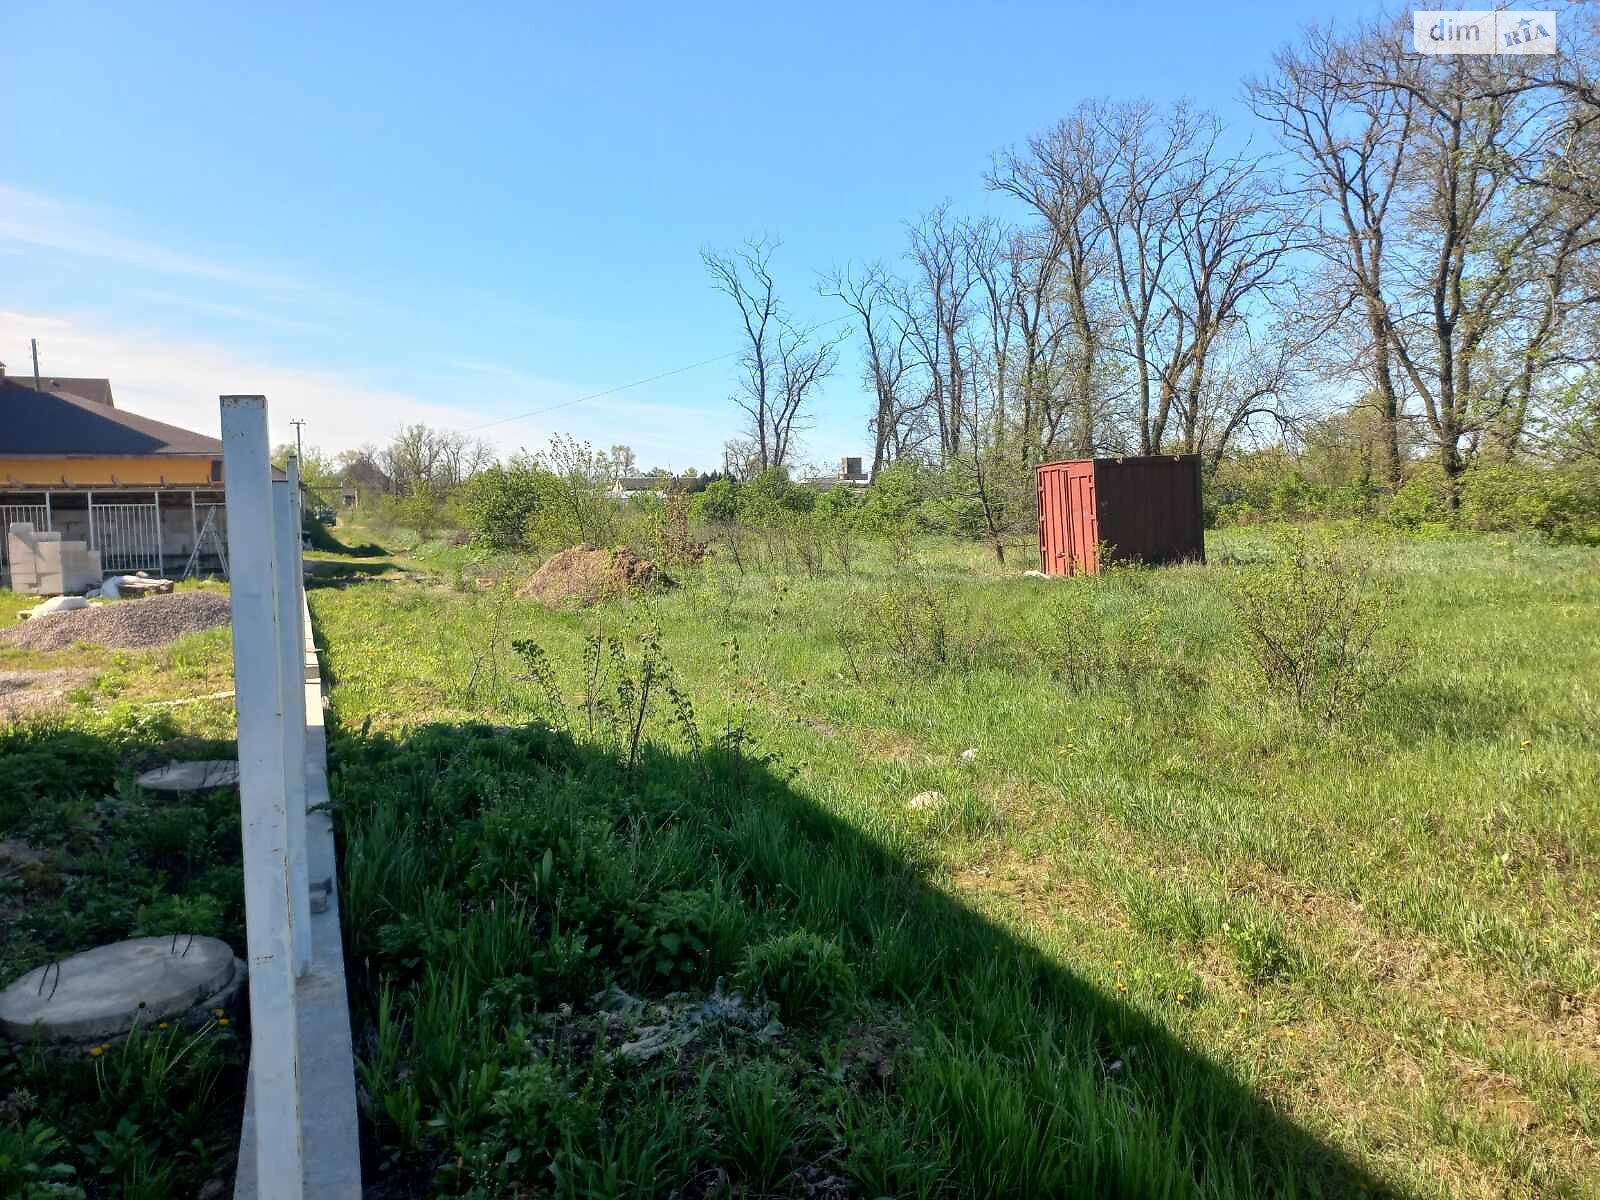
(47, 555)
(107, 991)
(76, 567)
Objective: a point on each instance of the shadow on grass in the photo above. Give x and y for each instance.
(1414, 708)
(88, 858)
(337, 573)
(323, 538)
(499, 880)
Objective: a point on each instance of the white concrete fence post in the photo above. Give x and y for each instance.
(259, 688)
(291, 670)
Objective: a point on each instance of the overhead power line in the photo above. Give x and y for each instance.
(704, 362)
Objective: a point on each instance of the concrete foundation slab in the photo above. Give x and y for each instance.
(104, 992)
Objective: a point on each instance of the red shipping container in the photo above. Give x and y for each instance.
(1143, 509)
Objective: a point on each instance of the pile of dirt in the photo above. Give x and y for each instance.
(124, 624)
(584, 575)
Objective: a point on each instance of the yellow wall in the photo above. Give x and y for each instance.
(87, 471)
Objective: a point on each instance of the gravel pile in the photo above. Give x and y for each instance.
(123, 624)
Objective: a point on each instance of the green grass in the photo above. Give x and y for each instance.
(89, 858)
(156, 1114)
(1160, 937)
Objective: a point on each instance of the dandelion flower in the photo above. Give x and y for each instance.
(163, 1025)
(222, 1021)
(96, 1051)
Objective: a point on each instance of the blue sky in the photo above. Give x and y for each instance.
(384, 213)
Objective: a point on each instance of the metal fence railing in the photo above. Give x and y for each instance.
(128, 536)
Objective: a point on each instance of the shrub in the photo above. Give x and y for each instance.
(575, 500)
(771, 494)
(1089, 645)
(718, 503)
(916, 624)
(1312, 617)
(1562, 503)
(502, 500)
(668, 533)
(1422, 500)
(421, 511)
(1073, 639)
(837, 518)
(889, 509)
(805, 973)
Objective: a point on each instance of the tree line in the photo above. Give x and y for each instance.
(1400, 247)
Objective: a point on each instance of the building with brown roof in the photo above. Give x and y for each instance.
(139, 491)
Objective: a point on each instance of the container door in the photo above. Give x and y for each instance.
(1055, 523)
(1085, 528)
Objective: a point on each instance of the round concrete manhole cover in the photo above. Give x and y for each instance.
(106, 991)
(192, 776)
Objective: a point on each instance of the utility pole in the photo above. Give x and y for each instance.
(297, 451)
(36, 386)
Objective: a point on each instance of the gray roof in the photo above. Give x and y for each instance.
(81, 419)
(98, 390)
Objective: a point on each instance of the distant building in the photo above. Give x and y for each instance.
(851, 474)
(657, 484)
(138, 491)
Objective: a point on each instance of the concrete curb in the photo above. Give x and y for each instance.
(331, 1134)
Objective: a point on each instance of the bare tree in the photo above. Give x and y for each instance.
(461, 457)
(934, 306)
(805, 358)
(1352, 142)
(1476, 249)
(868, 292)
(420, 458)
(623, 461)
(782, 362)
(1138, 203)
(1234, 236)
(1453, 190)
(413, 458)
(1059, 175)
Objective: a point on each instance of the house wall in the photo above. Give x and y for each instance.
(83, 471)
(69, 516)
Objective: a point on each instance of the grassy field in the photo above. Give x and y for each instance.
(86, 857)
(1047, 893)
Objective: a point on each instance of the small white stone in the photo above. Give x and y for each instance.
(970, 755)
(923, 800)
